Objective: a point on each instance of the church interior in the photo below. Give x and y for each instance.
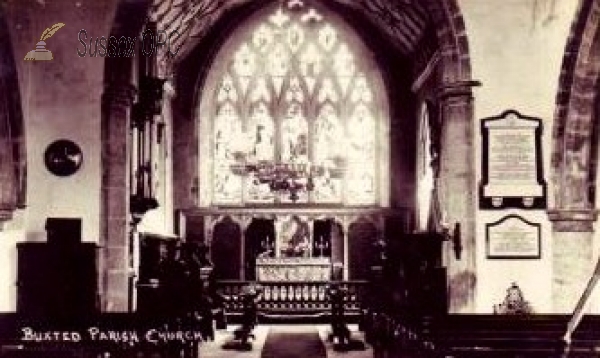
(421, 171)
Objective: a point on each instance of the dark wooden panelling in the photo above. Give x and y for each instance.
(226, 250)
(362, 252)
(56, 281)
(260, 240)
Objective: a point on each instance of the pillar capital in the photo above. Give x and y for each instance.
(457, 89)
(573, 220)
(118, 94)
(6, 214)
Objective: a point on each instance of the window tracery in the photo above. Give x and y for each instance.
(294, 91)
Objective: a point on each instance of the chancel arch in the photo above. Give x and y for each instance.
(293, 122)
(424, 42)
(235, 108)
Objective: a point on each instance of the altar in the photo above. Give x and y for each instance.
(292, 253)
(293, 269)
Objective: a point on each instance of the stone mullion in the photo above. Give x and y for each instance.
(115, 255)
(346, 222)
(244, 221)
(311, 229)
(458, 190)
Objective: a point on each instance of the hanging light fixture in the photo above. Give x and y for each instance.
(285, 177)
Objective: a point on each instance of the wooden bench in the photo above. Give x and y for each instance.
(533, 335)
(490, 336)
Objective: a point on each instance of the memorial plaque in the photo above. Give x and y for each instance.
(513, 237)
(512, 173)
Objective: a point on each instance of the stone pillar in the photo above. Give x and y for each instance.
(458, 189)
(572, 255)
(244, 221)
(185, 152)
(114, 255)
(9, 187)
(346, 221)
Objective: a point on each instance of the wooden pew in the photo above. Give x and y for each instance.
(512, 336)
(486, 336)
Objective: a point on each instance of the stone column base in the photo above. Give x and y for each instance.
(573, 255)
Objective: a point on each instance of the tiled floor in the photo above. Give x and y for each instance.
(214, 349)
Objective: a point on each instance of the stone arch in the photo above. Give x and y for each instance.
(445, 19)
(574, 136)
(274, 105)
(456, 178)
(452, 96)
(13, 157)
(452, 40)
(455, 105)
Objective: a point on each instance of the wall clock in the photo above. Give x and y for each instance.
(63, 157)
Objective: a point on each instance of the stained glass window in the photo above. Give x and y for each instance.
(293, 91)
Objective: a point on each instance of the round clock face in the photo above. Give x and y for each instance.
(63, 157)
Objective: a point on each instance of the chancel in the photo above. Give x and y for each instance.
(403, 178)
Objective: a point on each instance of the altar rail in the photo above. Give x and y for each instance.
(297, 298)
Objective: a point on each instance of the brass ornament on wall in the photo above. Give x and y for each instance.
(63, 157)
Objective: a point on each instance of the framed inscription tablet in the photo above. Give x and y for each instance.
(513, 237)
(512, 175)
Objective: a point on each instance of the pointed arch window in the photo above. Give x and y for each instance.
(295, 85)
(425, 172)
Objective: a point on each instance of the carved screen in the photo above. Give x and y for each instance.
(296, 88)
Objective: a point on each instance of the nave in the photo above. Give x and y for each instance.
(214, 349)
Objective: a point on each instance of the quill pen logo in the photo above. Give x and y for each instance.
(41, 53)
